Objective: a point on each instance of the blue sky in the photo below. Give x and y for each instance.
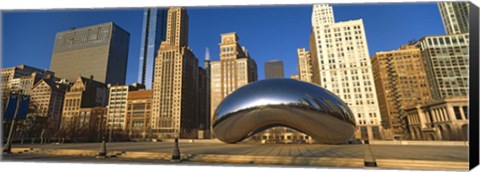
(268, 32)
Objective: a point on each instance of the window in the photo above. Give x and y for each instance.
(458, 115)
(465, 111)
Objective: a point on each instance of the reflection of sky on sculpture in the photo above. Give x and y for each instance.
(280, 91)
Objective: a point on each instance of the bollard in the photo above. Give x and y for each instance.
(103, 150)
(176, 152)
(7, 149)
(369, 160)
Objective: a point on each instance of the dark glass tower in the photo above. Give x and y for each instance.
(153, 32)
(99, 51)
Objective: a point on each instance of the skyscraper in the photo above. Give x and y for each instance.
(176, 97)
(153, 32)
(100, 51)
(400, 82)
(344, 67)
(304, 65)
(207, 99)
(274, 69)
(235, 69)
(455, 16)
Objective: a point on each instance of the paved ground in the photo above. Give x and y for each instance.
(404, 152)
(91, 160)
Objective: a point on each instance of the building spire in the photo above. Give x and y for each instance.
(207, 54)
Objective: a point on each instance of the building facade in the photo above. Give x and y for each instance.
(274, 69)
(455, 16)
(304, 65)
(11, 77)
(94, 120)
(153, 32)
(235, 69)
(139, 114)
(100, 51)
(345, 68)
(446, 62)
(175, 87)
(400, 82)
(84, 93)
(443, 119)
(24, 84)
(117, 105)
(47, 97)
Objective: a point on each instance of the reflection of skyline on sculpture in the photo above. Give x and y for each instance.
(283, 102)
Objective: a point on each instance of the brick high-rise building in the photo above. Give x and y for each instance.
(235, 69)
(274, 69)
(341, 53)
(176, 106)
(100, 51)
(401, 82)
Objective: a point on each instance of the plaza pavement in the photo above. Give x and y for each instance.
(387, 156)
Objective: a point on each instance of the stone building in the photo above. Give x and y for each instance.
(445, 119)
(84, 93)
(235, 69)
(176, 92)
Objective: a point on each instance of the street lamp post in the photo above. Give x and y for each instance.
(8, 146)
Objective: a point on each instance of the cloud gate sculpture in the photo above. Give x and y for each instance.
(291, 103)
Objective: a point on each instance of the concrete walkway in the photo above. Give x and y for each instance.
(387, 156)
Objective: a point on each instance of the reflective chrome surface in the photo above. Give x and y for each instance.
(299, 105)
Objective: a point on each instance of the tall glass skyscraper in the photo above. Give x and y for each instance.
(153, 32)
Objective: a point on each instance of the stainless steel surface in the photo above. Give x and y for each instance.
(299, 105)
